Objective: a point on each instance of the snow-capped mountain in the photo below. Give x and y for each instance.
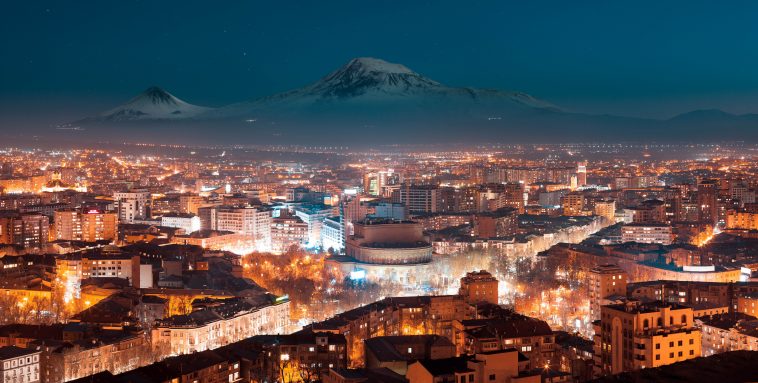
(372, 84)
(371, 100)
(152, 104)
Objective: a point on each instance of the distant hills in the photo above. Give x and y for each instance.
(371, 99)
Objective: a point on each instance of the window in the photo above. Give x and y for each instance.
(492, 376)
(679, 343)
(684, 319)
(671, 344)
(645, 323)
(410, 350)
(692, 352)
(671, 355)
(657, 357)
(692, 341)
(680, 354)
(657, 346)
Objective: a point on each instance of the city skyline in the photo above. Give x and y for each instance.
(378, 192)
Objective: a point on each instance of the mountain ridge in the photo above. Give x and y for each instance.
(397, 103)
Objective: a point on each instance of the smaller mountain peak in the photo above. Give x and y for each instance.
(158, 95)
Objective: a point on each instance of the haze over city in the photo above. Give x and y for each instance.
(378, 192)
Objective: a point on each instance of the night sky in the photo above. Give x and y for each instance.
(652, 59)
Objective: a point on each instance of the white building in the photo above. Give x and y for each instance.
(211, 328)
(188, 222)
(647, 233)
(254, 221)
(287, 231)
(332, 234)
(132, 205)
(18, 365)
(728, 332)
(73, 268)
(314, 216)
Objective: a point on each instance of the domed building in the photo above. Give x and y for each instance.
(388, 242)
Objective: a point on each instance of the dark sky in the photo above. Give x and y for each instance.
(639, 58)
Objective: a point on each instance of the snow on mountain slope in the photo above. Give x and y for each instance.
(373, 83)
(152, 104)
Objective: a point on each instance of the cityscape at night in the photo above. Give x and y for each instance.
(378, 192)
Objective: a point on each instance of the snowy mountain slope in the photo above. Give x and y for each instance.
(369, 83)
(152, 104)
(372, 100)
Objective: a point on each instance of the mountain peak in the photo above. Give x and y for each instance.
(158, 95)
(367, 74)
(153, 103)
(370, 64)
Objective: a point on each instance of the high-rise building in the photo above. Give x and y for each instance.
(707, 195)
(132, 205)
(499, 223)
(573, 204)
(332, 235)
(287, 230)
(88, 225)
(68, 224)
(581, 173)
(514, 196)
(606, 209)
(314, 215)
(605, 283)
(254, 221)
(374, 182)
(634, 335)
(419, 198)
(30, 230)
